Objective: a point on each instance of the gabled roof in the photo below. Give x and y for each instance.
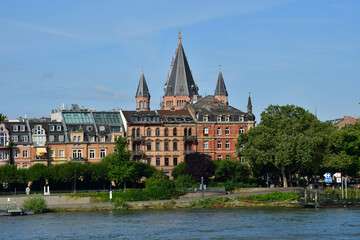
(142, 90)
(175, 115)
(142, 117)
(206, 106)
(181, 82)
(220, 86)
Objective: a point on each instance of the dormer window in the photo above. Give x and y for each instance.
(58, 128)
(219, 118)
(227, 118)
(15, 128)
(22, 128)
(52, 128)
(205, 118)
(241, 119)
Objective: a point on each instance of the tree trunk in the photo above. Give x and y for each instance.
(290, 179)
(124, 186)
(284, 177)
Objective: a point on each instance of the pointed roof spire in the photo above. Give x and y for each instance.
(181, 82)
(179, 37)
(220, 85)
(142, 90)
(249, 106)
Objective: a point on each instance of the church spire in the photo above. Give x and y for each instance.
(142, 94)
(249, 106)
(181, 87)
(220, 91)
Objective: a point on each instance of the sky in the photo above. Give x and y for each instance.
(91, 53)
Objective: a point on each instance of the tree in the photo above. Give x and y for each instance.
(344, 150)
(289, 139)
(121, 169)
(199, 165)
(8, 175)
(231, 170)
(2, 117)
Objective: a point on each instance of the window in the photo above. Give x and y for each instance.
(205, 131)
(227, 131)
(22, 128)
(25, 138)
(241, 130)
(25, 166)
(175, 148)
(157, 146)
(52, 153)
(148, 160)
(79, 139)
(157, 161)
(74, 153)
(102, 139)
(58, 128)
(61, 153)
(102, 153)
(219, 145)
(241, 119)
(116, 138)
(52, 128)
(92, 139)
(74, 139)
(25, 154)
(242, 160)
(51, 138)
(148, 132)
(189, 132)
(166, 161)
(174, 132)
(219, 118)
(206, 145)
(3, 155)
(166, 132)
(205, 118)
(92, 153)
(61, 138)
(15, 128)
(77, 153)
(148, 146)
(138, 132)
(219, 131)
(227, 118)
(3, 138)
(15, 153)
(133, 132)
(175, 161)
(219, 157)
(14, 138)
(166, 146)
(185, 132)
(157, 132)
(227, 145)
(227, 157)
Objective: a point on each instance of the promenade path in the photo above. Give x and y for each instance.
(66, 202)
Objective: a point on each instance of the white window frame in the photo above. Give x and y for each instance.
(15, 128)
(15, 138)
(61, 153)
(219, 118)
(58, 127)
(102, 139)
(22, 128)
(92, 153)
(15, 153)
(227, 145)
(25, 166)
(102, 153)
(219, 157)
(52, 128)
(219, 145)
(61, 138)
(206, 145)
(241, 130)
(52, 153)
(242, 159)
(241, 119)
(25, 154)
(219, 131)
(205, 131)
(227, 131)
(51, 138)
(206, 118)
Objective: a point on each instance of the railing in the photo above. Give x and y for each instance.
(188, 152)
(138, 152)
(189, 138)
(137, 138)
(40, 158)
(79, 159)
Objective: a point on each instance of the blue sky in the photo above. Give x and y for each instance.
(91, 53)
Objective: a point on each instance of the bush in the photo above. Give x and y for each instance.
(120, 203)
(270, 197)
(184, 181)
(36, 203)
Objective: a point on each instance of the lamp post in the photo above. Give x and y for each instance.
(75, 181)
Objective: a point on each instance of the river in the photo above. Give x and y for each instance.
(233, 223)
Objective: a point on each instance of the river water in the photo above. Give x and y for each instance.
(233, 223)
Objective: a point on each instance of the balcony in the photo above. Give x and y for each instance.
(188, 152)
(37, 158)
(137, 138)
(138, 153)
(189, 138)
(79, 159)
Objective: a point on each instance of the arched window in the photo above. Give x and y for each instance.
(133, 132)
(138, 132)
(185, 132)
(227, 131)
(206, 145)
(227, 145)
(144, 104)
(140, 104)
(174, 132)
(219, 145)
(206, 131)
(157, 132)
(148, 132)
(189, 131)
(166, 132)
(219, 131)
(241, 130)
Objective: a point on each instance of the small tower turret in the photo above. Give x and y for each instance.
(220, 91)
(142, 95)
